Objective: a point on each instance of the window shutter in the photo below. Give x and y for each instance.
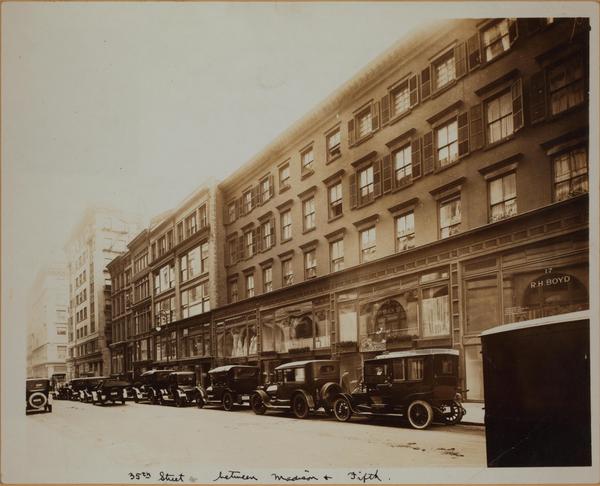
(537, 95)
(517, 104)
(258, 241)
(385, 110)
(377, 178)
(428, 153)
(425, 83)
(476, 127)
(513, 32)
(413, 88)
(387, 173)
(242, 205)
(375, 116)
(352, 191)
(255, 193)
(273, 240)
(474, 51)
(463, 134)
(460, 60)
(259, 198)
(241, 247)
(415, 156)
(238, 208)
(271, 186)
(351, 134)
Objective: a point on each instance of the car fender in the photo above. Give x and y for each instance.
(309, 398)
(329, 392)
(181, 394)
(348, 397)
(95, 395)
(263, 395)
(427, 396)
(202, 392)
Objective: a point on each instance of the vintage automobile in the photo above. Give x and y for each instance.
(178, 388)
(300, 386)
(149, 385)
(230, 385)
(37, 395)
(57, 384)
(420, 385)
(80, 388)
(110, 390)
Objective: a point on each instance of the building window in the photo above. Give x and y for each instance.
(287, 271)
(335, 200)
(566, 83)
(570, 173)
(336, 251)
(310, 264)
(365, 123)
(447, 143)
(368, 245)
(286, 225)
(405, 231)
(503, 197)
(400, 99)
(366, 185)
(267, 235)
(164, 279)
(333, 145)
(231, 212)
(499, 113)
(498, 38)
(267, 274)
(308, 209)
(233, 291)
(203, 216)
(248, 202)
(180, 234)
(164, 311)
(450, 217)
(265, 189)
(307, 157)
(191, 225)
(194, 262)
(284, 176)
(444, 70)
(249, 285)
(403, 166)
(195, 301)
(249, 243)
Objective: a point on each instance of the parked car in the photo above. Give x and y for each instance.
(149, 385)
(301, 386)
(57, 383)
(87, 386)
(179, 388)
(110, 390)
(420, 385)
(230, 385)
(37, 395)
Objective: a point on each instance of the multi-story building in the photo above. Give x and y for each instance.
(47, 323)
(440, 192)
(99, 236)
(169, 273)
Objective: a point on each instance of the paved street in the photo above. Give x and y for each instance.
(78, 438)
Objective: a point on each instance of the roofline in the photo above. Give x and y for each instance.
(542, 321)
(406, 48)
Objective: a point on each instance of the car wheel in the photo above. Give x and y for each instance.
(257, 404)
(199, 402)
(227, 401)
(342, 409)
(455, 414)
(135, 398)
(420, 414)
(300, 406)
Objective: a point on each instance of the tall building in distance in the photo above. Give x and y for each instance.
(47, 323)
(100, 236)
(440, 192)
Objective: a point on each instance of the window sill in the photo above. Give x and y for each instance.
(306, 173)
(364, 139)
(396, 188)
(335, 218)
(334, 158)
(440, 169)
(396, 118)
(309, 230)
(365, 204)
(552, 117)
(443, 89)
(282, 189)
(499, 142)
(285, 241)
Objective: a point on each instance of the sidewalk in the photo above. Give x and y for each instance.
(475, 414)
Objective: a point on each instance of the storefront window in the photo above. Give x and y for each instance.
(293, 327)
(435, 311)
(236, 338)
(323, 328)
(195, 341)
(348, 322)
(544, 292)
(482, 303)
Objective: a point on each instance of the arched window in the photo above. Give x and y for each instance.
(390, 317)
(554, 293)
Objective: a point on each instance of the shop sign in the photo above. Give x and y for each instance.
(550, 281)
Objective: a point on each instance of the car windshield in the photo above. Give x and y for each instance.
(186, 379)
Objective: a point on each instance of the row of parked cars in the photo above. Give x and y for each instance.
(420, 386)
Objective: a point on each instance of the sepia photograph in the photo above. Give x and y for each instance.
(289, 242)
